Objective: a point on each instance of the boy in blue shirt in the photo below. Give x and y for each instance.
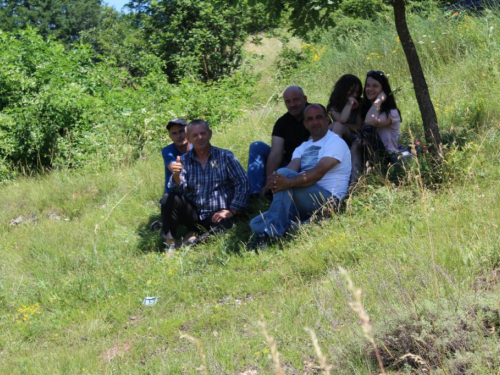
(177, 133)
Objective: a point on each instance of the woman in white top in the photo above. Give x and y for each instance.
(382, 117)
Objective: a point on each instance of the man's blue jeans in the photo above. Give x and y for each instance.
(289, 205)
(256, 169)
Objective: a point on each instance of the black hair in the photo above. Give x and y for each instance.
(389, 103)
(338, 97)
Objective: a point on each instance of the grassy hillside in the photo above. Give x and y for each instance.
(77, 257)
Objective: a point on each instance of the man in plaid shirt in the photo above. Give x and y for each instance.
(209, 187)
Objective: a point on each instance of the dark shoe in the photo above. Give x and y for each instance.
(215, 229)
(197, 239)
(167, 239)
(155, 225)
(259, 242)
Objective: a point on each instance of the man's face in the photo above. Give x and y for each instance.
(177, 134)
(199, 136)
(316, 121)
(295, 101)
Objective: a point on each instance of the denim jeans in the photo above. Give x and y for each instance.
(290, 205)
(256, 169)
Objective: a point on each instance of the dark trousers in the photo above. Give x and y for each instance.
(373, 147)
(163, 205)
(179, 210)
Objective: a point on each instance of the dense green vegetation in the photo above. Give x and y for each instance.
(59, 19)
(64, 109)
(77, 256)
(102, 94)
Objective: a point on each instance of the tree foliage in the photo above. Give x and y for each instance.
(61, 108)
(60, 19)
(200, 39)
(120, 42)
(309, 14)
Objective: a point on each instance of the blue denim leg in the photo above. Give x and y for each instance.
(287, 205)
(309, 199)
(256, 170)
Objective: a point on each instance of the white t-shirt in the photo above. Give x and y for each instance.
(331, 145)
(390, 134)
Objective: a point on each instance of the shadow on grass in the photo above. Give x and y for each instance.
(232, 241)
(150, 240)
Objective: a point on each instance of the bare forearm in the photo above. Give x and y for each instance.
(346, 112)
(272, 165)
(307, 178)
(177, 178)
(376, 118)
(281, 182)
(304, 179)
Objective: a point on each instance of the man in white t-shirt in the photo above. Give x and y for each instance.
(319, 171)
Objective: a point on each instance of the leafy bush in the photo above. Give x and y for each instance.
(288, 61)
(202, 39)
(61, 109)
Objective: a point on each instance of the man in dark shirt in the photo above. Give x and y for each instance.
(288, 133)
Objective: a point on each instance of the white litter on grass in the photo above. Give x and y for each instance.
(149, 301)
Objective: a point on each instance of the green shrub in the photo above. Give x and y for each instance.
(201, 39)
(61, 109)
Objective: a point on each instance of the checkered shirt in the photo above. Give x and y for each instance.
(223, 184)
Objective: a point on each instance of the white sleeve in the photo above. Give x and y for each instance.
(336, 148)
(297, 153)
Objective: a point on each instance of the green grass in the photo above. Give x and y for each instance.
(74, 271)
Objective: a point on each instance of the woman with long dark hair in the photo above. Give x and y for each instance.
(344, 109)
(344, 104)
(382, 118)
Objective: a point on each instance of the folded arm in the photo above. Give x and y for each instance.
(306, 178)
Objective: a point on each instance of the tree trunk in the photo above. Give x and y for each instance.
(427, 112)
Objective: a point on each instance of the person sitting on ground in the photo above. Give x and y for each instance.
(382, 118)
(288, 133)
(209, 187)
(180, 145)
(318, 173)
(344, 108)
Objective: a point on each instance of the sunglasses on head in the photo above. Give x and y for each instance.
(374, 73)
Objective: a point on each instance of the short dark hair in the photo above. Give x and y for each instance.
(315, 105)
(198, 122)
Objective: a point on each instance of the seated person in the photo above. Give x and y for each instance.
(382, 118)
(319, 172)
(288, 133)
(344, 108)
(177, 132)
(209, 187)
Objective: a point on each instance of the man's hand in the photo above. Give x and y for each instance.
(176, 166)
(222, 215)
(268, 186)
(280, 183)
(264, 191)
